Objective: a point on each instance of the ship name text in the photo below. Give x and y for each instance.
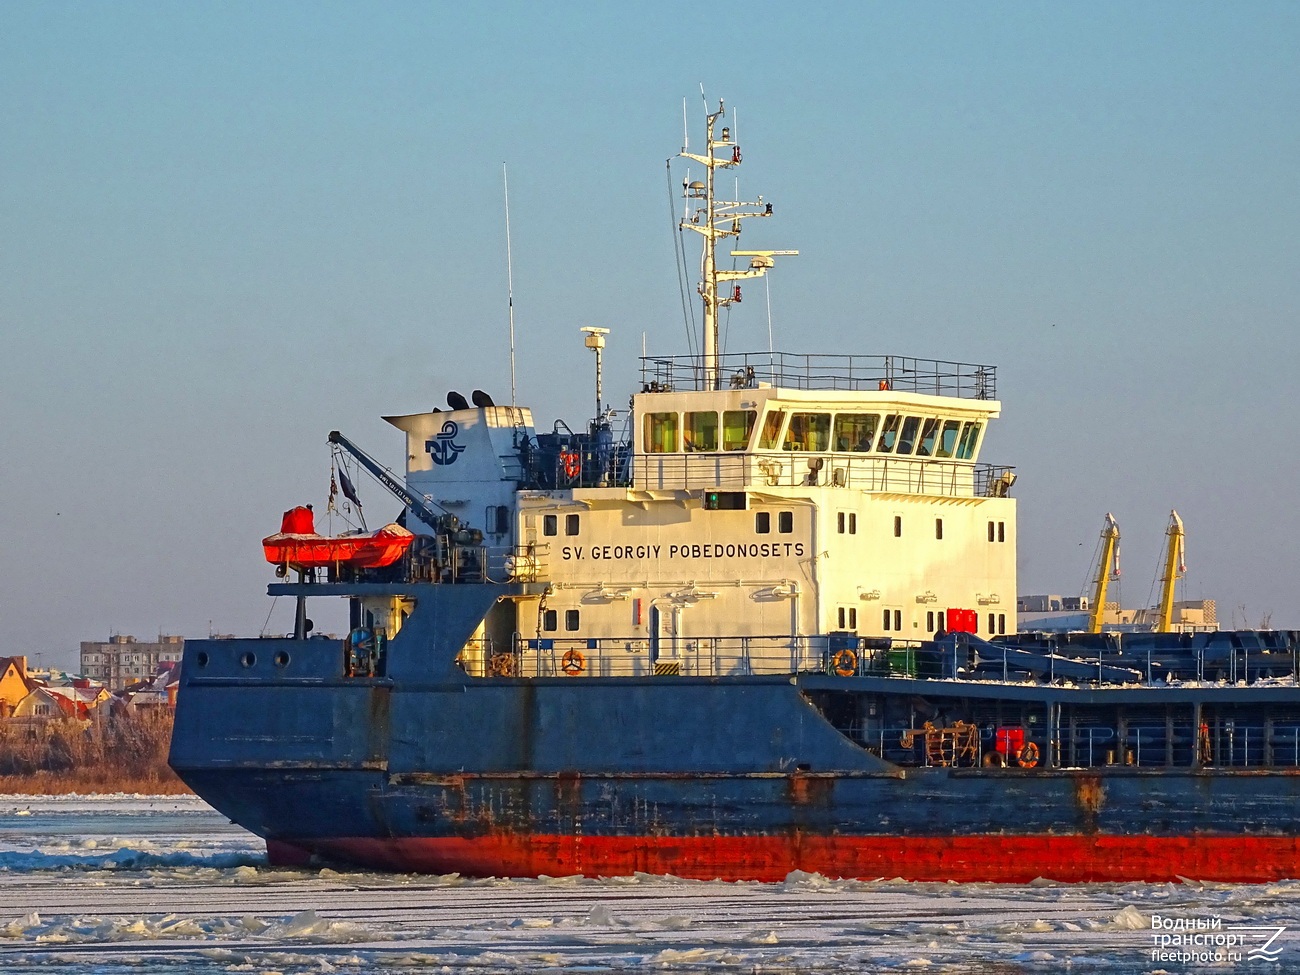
(706, 550)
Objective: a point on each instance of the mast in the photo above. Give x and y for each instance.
(716, 219)
(1107, 572)
(1175, 569)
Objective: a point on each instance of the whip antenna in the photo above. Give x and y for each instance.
(510, 283)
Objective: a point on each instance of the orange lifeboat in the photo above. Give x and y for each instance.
(297, 544)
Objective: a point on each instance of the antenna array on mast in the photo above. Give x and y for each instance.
(714, 219)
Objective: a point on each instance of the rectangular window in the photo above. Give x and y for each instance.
(1002, 623)
(938, 528)
(570, 619)
(785, 522)
(1002, 531)
(855, 431)
(970, 435)
(843, 617)
(809, 431)
(853, 618)
(898, 526)
(948, 438)
(907, 439)
(889, 617)
(929, 621)
(842, 521)
(737, 427)
(992, 536)
(853, 522)
(660, 433)
(550, 525)
(570, 524)
(771, 435)
(929, 433)
(550, 621)
(942, 625)
(701, 432)
(898, 619)
(992, 625)
(763, 522)
(889, 434)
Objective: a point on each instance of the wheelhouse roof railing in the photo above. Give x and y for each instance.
(746, 370)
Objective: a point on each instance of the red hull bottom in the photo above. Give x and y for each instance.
(998, 859)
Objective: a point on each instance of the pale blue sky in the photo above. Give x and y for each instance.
(228, 228)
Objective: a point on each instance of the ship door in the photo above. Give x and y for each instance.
(656, 629)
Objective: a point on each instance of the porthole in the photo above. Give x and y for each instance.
(248, 659)
(201, 659)
(282, 659)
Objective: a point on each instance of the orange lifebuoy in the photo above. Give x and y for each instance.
(845, 662)
(884, 384)
(1028, 756)
(571, 461)
(573, 662)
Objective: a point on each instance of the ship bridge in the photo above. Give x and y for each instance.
(890, 424)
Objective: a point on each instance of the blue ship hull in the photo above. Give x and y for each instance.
(429, 769)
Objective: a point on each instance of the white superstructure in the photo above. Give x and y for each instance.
(762, 503)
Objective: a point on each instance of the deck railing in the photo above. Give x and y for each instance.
(746, 370)
(937, 478)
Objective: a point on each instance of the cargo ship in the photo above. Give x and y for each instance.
(762, 622)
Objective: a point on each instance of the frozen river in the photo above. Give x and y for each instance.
(165, 885)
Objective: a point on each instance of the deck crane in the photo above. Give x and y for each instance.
(1175, 569)
(422, 508)
(1107, 572)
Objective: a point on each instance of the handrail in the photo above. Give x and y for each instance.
(747, 370)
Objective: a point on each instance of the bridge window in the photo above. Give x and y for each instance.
(571, 524)
(907, 439)
(809, 431)
(889, 433)
(550, 620)
(948, 438)
(970, 435)
(660, 433)
(785, 522)
(855, 431)
(929, 433)
(737, 426)
(771, 435)
(571, 619)
(763, 522)
(550, 525)
(701, 431)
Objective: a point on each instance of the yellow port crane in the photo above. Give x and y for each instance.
(1107, 571)
(1175, 569)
